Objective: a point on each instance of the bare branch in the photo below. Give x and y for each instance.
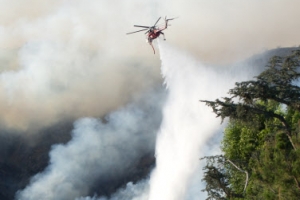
(244, 171)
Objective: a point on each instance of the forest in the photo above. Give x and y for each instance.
(261, 142)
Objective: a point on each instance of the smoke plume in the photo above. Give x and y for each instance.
(60, 63)
(99, 152)
(62, 59)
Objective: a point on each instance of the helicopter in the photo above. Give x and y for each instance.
(153, 32)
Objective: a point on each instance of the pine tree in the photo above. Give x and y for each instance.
(261, 138)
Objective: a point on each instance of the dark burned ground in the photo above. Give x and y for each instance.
(21, 159)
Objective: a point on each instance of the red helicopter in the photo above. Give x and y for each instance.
(153, 31)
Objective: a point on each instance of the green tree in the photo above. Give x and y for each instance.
(262, 137)
(274, 84)
(217, 178)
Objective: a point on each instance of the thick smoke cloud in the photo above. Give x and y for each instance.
(55, 51)
(61, 59)
(64, 60)
(99, 151)
(67, 61)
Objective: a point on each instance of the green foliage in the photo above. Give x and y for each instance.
(274, 169)
(262, 137)
(216, 183)
(216, 178)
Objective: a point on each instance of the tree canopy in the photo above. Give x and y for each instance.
(261, 142)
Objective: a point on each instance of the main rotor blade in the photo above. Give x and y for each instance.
(141, 26)
(137, 31)
(157, 21)
(171, 18)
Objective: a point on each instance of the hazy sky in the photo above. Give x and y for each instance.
(66, 58)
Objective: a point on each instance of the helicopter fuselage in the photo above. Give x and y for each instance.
(153, 35)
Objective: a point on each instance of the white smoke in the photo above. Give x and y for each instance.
(53, 52)
(62, 61)
(98, 151)
(138, 191)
